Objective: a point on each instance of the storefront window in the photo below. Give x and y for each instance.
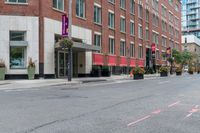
(17, 57)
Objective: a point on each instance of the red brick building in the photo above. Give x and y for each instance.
(124, 29)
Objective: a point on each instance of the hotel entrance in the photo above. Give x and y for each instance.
(62, 64)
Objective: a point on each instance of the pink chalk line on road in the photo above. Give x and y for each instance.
(194, 110)
(139, 120)
(173, 104)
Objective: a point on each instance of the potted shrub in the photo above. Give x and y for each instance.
(191, 70)
(2, 70)
(198, 70)
(163, 71)
(178, 71)
(31, 69)
(138, 73)
(105, 71)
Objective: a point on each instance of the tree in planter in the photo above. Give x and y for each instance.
(163, 71)
(31, 69)
(2, 69)
(138, 73)
(178, 71)
(67, 43)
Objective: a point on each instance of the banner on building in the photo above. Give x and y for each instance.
(168, 52)
(153, 50)
(65, 25)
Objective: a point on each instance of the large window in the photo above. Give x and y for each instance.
(17, 1)
(123, 4)
(132, 28)
(140, 33)
(80, 8)
(122, 48)
(97, 14)
(97, 40)
(140, 12)
(132, 6)
(111, 46)
(155, 38)
(140, 52)
(17, 49)
(111, 20)
(132, 50)
(58, 4)
(122, 24)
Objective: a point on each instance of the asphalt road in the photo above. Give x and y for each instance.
(163, 105)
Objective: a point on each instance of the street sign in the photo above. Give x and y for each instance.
(65, 25)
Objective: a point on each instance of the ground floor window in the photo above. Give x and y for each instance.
(17, 57)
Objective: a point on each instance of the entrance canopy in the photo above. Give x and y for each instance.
(78, 45)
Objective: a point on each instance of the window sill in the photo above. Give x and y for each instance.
(99, 24)
(83, 18)
(18, 68)
(111, 28)
(15, 3)
(124, 9)
(123, 32)
(111, 3)
(61, 11)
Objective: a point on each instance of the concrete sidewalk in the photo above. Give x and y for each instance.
(16, 84)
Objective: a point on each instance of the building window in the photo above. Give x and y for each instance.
(140, 33)
(97, 40)
(18, 50)
(97, 14)
(164, 41)
(140, 52)
(122, 48)
(132, 28)
(80, 8)
(157, 54)
(112, 1)
(147, 16)
(123, 4)
(164, 26)
(111, 46)
(164, 11)
(155, 4)
(58, 4)
(155, 38)
(17, 1)
(140, 13)
(132, 6)
(122, 24)
(132, 50)
(111, 20)
(147, 34)
(171, 2)
(17, 36)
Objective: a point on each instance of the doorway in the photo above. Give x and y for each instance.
(62, 64)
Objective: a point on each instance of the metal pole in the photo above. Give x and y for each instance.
(70, 58)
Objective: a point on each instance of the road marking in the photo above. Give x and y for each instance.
(156, 112)
(163, 82)
(191, 112)
(139, 120)
(173, 104)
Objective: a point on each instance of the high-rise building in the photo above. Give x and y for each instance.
(191, 17)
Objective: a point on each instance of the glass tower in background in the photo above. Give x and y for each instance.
(191, 17)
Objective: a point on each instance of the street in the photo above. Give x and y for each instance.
(157, 105)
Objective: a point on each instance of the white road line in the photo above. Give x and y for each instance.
(139, 120)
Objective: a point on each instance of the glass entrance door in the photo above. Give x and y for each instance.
(62, 64)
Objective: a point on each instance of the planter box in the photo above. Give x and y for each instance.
(138, 76)
(2, 73)
(178, 73)
(191, 72)
(163, 74)
(31, 73)
(106, 73)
